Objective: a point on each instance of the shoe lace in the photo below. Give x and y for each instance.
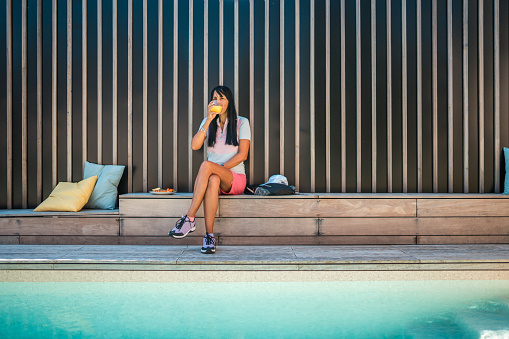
(210, 240)
(180, 222)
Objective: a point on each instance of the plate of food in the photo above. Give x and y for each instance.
(163, 191)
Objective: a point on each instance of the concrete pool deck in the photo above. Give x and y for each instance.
(188, 257)
(402, 258)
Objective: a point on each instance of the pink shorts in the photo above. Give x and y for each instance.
(238, 184)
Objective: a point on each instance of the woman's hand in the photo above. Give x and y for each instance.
(211, 115)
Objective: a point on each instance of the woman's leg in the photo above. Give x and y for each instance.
(201, 183)
(210, 202)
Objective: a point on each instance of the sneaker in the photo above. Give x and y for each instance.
(209, 244)
(182, 227)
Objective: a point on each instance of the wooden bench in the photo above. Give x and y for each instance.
(84, 227)
(304, 219)
(328, 218)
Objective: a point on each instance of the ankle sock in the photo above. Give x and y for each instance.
(210, 234)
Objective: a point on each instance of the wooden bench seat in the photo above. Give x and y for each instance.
(329, 218)
(24, 226)
(313, 219)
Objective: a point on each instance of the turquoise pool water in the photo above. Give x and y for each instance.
(362, 309)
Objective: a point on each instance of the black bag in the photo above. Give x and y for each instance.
(269, 189)
(250, 189)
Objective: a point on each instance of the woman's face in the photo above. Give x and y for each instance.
(222, 101)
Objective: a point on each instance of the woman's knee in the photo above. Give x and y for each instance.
(206, 166)
(214, 181)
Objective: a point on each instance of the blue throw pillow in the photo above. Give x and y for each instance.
(506, 183)
(104, 195)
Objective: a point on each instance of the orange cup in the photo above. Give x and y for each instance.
(216, 109)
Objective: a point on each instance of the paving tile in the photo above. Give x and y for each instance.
(130, 248)
(473, 257)
(124, 257)
(116, 266)
(127, 252)
(38, 248)
(459, 252)
(30, 256)
(452, 248)
(242, 266)
(350, 253)
(347, 260)
(502, 247)
(360, 266)
(118, 253)
(27, 266)
(239, 254)
(359, 248)
(124, 252)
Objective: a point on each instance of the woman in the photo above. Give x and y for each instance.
(228, 136)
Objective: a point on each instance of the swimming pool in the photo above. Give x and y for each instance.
(353, 309)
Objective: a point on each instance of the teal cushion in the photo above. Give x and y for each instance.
(104, 195)
(506, 183)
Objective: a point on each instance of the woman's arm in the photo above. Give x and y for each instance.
(201, 135)
(240, 156)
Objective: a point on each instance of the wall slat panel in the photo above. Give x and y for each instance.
(24, 96)
(266, 97)
(115, 82)
(236, 87)
(8, 94)
(312, 94)
(327, 98)
(358, 91)
(130, 97)
(84, 82)
(389, 95)
(496, 66)
(465, 98)
(251, 89)
(175, 90)
(373, 98)
(343, 98)
(190, 95)
(206, 61)
(54, 44)
(160, 95)
(69, 90)
(39, 101)
(419, 96)
(297, 94)
(145, 94)
(480, 38)
(450, 139)
(221, 42)
(434, 65)
(404, 89)
(99, 83)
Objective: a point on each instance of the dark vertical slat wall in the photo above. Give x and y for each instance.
(4, 114)
(439, 174)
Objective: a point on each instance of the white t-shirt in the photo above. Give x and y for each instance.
(221, 152)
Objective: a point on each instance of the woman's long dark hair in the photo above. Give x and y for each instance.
(231, 131)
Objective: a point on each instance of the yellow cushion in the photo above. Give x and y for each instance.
(68, 196)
